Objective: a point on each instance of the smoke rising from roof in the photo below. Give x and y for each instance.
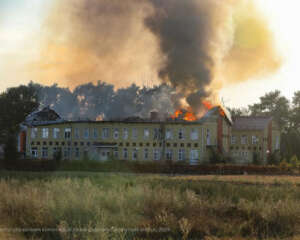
(196, 46)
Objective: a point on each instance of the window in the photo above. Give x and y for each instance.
(134, 154)
(181, 154)
(146, 153)
(169, 134)
(233, 139)
(45, 132)
(134, 133)
(116, 153)
(77, 153)
(34, 132)
(156, 154)
(86, 133)
(181, 134)
(244, 139)
(77, 134)
(194, 154)
(255, 139)
(156, 133)
(67, 133)
(67, 152)
(169, 154)
(146, 133)
(105, 133)
(277, 144)
(56, 132)
(125, 133)
(125, 153)
(207, 137)
(194, 134)
(95, 133)
(34, 152)
(116, 133)
(44, 152)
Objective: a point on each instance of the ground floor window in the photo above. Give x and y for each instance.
(77, 153)
(181, 154)
(156, 154)
(116, 153)
(34, 152)
(125, 153)
(194, 155)
(67, 152)
(44, 152)
(169, 154)
(134, 154)
(146, 153)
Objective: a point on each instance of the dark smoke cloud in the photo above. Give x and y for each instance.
(196, 46)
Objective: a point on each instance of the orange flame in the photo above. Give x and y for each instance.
(208, 105)
(188, 115)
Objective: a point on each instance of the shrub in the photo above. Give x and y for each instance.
(256, 159)
(295, 163)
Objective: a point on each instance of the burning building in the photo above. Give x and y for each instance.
(180, 137)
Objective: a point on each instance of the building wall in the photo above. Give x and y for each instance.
(192, 148)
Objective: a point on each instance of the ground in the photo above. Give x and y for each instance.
(80, 205)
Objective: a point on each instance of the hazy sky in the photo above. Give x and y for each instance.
(21, 30)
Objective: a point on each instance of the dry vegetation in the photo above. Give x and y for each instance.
(115, 206)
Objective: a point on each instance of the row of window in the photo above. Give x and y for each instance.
(249, 148)
(127, 144)
(244, 139)
(105, 133)
(67, 153)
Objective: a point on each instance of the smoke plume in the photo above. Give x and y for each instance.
(196, 46)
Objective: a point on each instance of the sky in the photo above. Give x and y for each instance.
(21, 30)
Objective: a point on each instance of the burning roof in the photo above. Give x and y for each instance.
(46, 115)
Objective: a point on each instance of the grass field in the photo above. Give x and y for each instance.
(79, 205)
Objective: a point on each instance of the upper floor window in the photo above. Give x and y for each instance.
(208, 142)
(67, 133)
(95, 132)
(125, 133)
(77, 134)
(181, 134)
(45, 132)
(146, 133)
(244, 139)
(105, 133)
(233, 139)
(194, 134)
(34, 132)
(86, 133)
(116, 133)
(156, 133)
(169, 134)
(134, 133)
(255, 139)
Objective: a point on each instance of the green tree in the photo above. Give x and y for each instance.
(275, 105)
(15, 104)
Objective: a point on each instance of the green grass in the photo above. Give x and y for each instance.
(169, 208)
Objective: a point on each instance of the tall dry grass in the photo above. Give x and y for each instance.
(136, 207)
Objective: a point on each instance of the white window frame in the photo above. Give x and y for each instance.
(244, 139)
(169, 134)
(56, 132)
(181, 134)
(45, 132)
(208, 140)
(146, 133)
(125, 133)
(116, 153)
(194, 134)
(146, 153)
(77, 133)
(125, 153)
(134, 133)
(156, 154)
(95, 133)
(34, 133)
(116, 133)
(105, 133)
(233, 139)
(169, 154)
(135, 153)
(34, 152)
(86, 133)
(181, 153)
(68, 132)
(44, 152)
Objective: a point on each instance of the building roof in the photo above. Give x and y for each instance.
(44, 116)
(251, 123)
